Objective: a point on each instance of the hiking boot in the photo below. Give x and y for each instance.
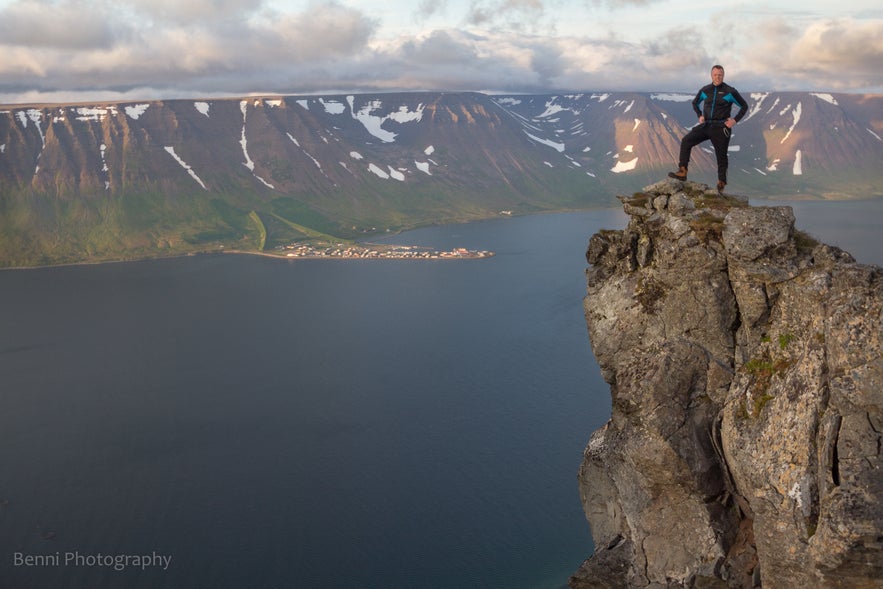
(721, 185)
(681, 174)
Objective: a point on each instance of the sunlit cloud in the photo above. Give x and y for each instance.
(77, 49)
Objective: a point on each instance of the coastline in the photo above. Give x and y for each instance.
(478, 256)
(427, 254)
(370, 251)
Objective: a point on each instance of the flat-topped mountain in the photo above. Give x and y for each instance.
(124, 180)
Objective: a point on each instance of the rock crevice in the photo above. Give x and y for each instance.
(743, 357)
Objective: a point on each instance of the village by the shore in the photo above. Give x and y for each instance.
(374, 251)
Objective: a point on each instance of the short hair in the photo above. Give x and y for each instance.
(717, 67)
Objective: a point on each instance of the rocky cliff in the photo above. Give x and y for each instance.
(744, 363)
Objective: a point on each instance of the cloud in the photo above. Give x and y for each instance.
(831, 47)
(166, 49)
(428, 8)
(837, 54)
(68, 25)
(516, 15)
(237, 47)
(193, 12)
(616, 4)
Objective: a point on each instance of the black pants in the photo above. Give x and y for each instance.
(720, 139)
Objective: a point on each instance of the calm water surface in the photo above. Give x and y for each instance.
(855, 226)
(340, 424)
(269, 423)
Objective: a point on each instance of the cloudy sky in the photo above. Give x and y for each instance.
(97, 50)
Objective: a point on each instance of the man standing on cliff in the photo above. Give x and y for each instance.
(715, 123)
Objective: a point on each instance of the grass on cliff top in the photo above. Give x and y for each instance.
(714, 200)
(708, 226)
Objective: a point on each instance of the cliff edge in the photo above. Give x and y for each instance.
(745, 369)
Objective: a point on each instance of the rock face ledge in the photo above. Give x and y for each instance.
(744, 363)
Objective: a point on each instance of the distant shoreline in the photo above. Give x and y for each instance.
(366, 253)
(476, 255)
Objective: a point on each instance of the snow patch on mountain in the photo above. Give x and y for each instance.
(373, 168)
(672, 97)
(374, 123)
(877, 137)
(826, 97)
(171, 151)
(618, 103)
(136, 110)
(423, 167)
(553, 108)
(95, 113)
(429, 150)
(315, 161)
(202, 107)
(308, 154)
(243, 106)
(243, 141)
(103, 149)
(527, 125)
(333, 107)
(622, 166)
(36, 117)
(798, 163)
(559, 147)
(404, 115)
(796, 115)
(758, 98)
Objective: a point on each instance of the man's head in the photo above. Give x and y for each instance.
(717, 75)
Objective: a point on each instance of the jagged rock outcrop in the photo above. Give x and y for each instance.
(744, 363)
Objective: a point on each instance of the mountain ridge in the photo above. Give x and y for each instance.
(133, 179)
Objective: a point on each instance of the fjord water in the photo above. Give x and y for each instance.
(340, 424)
(273, 423)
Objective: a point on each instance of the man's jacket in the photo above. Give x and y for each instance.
(719, 101)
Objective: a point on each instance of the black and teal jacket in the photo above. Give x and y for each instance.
(719, 101)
